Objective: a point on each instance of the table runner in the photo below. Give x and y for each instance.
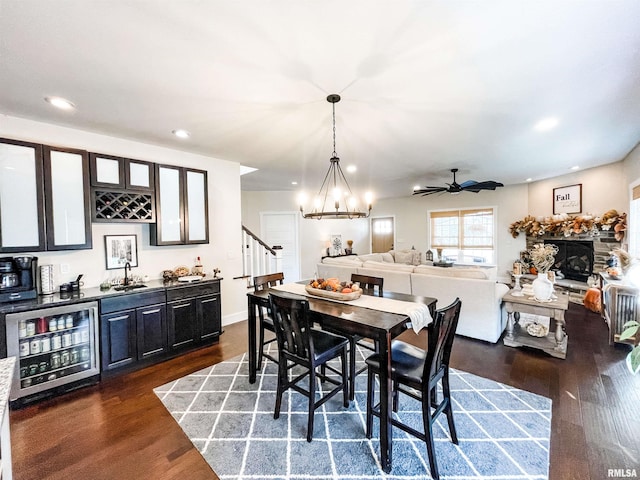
(418, 312)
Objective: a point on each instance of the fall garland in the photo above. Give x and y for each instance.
(571, 225)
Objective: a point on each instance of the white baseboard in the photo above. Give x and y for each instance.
(234, 318)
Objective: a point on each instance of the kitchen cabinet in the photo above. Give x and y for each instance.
(68, 214)
(44, 198)
(122, 189)
(123, 173)
(133, 329)
(21, 197)
(182, 215)
(193, 315)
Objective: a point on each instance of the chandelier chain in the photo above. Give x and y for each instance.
(334, 130)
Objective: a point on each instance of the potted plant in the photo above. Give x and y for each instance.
(542, 257)
(349, 249)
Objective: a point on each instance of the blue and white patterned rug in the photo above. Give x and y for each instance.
(503, 431)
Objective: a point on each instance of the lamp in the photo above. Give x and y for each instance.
(335, 189)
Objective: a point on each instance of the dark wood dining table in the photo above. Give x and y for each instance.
(380, 326)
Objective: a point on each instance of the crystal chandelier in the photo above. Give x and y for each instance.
(335, 198)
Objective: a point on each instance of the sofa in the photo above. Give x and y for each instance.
(482, 316)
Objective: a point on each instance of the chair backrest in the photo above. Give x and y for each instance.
(291, 321)
(441, 340)
(262, 282)
(369, 284)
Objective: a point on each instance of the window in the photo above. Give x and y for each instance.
(465, 236)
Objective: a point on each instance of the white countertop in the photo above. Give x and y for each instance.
(6, 377)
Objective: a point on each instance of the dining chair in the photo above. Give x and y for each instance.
(416, 373)
(263, 282)
(301, 345)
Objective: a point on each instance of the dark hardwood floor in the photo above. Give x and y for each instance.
(120, 430)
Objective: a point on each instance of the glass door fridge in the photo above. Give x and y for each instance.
(56, 347)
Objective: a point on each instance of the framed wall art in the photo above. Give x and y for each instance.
(567, 199)
(335, 247)
(120, 249)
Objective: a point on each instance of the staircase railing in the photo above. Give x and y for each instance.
(258, 258)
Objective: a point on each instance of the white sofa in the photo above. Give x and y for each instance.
(481, 317)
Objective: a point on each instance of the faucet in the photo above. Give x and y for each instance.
(126, 278)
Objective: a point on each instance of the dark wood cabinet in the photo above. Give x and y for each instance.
(182, 212)
(193, 315)
(52, 185)
(151, 332)
(139, 329)
(181, 322)
(118, 339)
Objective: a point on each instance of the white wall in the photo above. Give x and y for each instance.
(223, 251)
(631, 166)
(603, 188)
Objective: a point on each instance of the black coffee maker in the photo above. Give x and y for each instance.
(18, 278)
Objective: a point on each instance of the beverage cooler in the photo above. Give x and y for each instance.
(57, 347)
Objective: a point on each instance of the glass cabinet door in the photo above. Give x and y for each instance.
(21, 197)
(196, 211)
(168, 229)
(67, 198)
(106, 171)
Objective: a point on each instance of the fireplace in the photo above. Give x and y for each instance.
(574, 258)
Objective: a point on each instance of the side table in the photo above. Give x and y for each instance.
(555, 342)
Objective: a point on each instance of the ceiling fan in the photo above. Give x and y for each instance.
(468, 186)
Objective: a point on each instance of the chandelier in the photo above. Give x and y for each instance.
(335, 198)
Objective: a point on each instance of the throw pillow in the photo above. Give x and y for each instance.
(404, 257)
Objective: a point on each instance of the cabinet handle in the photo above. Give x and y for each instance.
(121, 317)
(155, 310)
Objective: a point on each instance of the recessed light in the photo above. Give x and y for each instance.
(294, 183)
(351, 168)
(529, 179)
(546, 124)
(416, 187)
(61, 103)
(181, 133)
(575, 167)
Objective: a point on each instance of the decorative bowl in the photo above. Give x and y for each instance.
(345, 297)
(536, 329)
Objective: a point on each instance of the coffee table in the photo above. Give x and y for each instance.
(555, 342)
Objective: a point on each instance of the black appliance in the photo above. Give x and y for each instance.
(18, 278)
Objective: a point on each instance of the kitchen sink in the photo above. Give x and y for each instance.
(121, 288)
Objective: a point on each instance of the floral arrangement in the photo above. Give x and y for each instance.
(571, 225)
(543, 256)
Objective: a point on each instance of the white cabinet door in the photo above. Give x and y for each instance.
(21, 197)
(67, 199)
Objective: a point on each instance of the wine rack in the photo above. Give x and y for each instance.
(123, 206)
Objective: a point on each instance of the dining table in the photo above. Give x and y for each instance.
(352, 317)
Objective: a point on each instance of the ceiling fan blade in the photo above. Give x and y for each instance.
(477, 186)
(429, 190)
(468, 183)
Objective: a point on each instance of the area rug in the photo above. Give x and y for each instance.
(503, 431)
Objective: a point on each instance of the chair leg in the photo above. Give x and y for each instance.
(345, 379)
(261, 341)
(428, 431)
(282, 377)
(448, 411)
(312, 401)
(370, 398)
(352, 368)
(395, 395)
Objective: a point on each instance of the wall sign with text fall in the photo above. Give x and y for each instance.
(567, 199)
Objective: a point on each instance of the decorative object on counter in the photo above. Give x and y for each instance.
(190, 278)
(197, 268)
(181, 271)
(46, 280)
(167, 275)
(439, 250)
(571, 225)
(105, 285)
(428, 256)
(542, 257)
(121, 249)
(517, 289)
(567, 199)
(216, 271)
(349, 249)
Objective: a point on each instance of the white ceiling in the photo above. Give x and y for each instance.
(426, 85)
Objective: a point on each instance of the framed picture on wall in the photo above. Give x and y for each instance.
(120, 249)
(567, 199)
(335, 247)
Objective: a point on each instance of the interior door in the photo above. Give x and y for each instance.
(382, 234)
(281, 228)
